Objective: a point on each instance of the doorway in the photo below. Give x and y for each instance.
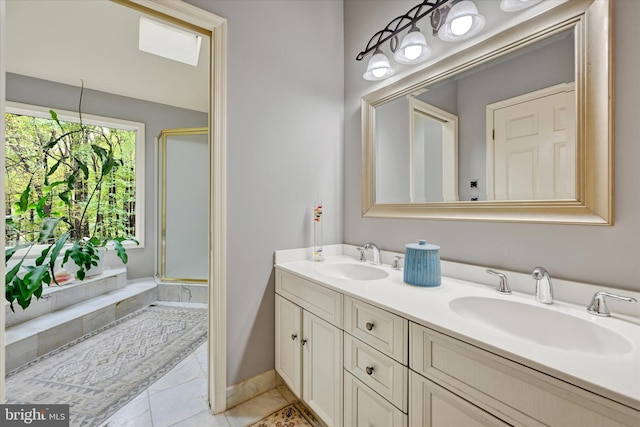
(531, 154)
(195, 18)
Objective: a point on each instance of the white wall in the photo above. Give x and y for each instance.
(608, 256)
(285, 146)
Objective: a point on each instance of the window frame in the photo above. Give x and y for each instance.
(91, 119)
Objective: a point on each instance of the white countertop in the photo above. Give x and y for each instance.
(614, 376)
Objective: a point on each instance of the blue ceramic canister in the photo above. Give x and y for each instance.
(422, 264)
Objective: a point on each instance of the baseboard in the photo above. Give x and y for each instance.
(250, 388)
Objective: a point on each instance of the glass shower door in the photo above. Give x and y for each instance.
(183, 205)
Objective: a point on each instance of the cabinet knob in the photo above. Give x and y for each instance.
(303, 342)
(369, 370)
(369, 326)
(294, 336)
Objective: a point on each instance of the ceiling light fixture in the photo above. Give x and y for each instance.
(515, 5)
(451, 20)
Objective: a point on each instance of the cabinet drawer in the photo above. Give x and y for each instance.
(515, 393)
(434, 406)
(380, 372)
(379, 328)
(317, 299)
(365, 408)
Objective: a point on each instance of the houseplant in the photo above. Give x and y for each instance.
(72, 176)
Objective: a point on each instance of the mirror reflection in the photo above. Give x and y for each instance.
(504, 130)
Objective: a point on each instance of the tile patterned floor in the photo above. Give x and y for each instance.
(180, 399)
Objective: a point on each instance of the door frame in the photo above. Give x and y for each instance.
(217, 315)
(3, 97)
(217, 299)
(449, 147)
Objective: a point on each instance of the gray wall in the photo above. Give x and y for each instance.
(285, 147)
(392, 136)
(526, 73)
(501, 79)
(155, 116)
(607, 256)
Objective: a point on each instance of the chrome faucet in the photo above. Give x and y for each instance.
(544, 290)
(598, 306)
(376, 252)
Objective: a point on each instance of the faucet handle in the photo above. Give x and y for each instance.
(362, 256)
(503, 286)
(598, 306)
(396, 262)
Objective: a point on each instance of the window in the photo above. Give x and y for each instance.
(120, 197)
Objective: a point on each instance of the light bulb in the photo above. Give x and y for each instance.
(413, 48)
(463, 21)
(461, 25)
(412, 52)
(378, 72)
(378, 67)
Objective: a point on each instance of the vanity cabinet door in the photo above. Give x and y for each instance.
(434, 406)
(322, 368)
(363, 407)
(288, 349)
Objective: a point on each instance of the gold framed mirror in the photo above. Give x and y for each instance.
(584, 193)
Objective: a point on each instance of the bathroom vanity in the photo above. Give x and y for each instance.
(362, 348)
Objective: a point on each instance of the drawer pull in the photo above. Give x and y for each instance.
(369, 326)
(303, 342)
(294, 336)
(369, 370)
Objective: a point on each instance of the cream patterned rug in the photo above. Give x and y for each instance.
(102, 371)
(289, 416)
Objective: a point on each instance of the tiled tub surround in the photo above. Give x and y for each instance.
(183, 292)
(614, 377)
(66, 313)
(56, 298)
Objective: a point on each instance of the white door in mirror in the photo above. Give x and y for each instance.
(534, 146)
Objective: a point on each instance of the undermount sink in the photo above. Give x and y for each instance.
(352, 271)
(542, 325)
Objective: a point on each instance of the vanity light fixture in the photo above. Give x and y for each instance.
(463, 21)
(379, 67)
(451, 20)
(413, 48)
(515, 5)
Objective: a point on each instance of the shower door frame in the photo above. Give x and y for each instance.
(161, 164)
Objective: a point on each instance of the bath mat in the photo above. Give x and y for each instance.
(104, 370)
(289, 416)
